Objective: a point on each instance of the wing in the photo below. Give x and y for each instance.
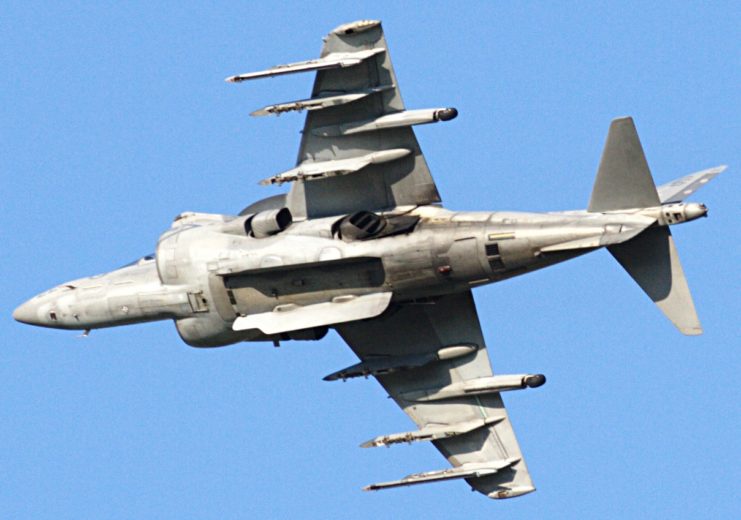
(432, 360)
(358, 150)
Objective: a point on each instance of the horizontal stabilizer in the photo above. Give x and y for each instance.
(651, 259)
(471, 470)
(431, 433)
(679, 189)
(290, 317)
(319, 102)
(322, 169)
(330, 61)
(623, 179)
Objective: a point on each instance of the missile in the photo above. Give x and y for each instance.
(481, 385)
(403, 118)
(321, 169)
(467, 470)
(432, 433)
(330, 61)
(319, 102)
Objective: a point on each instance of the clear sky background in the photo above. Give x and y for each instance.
(115, 118)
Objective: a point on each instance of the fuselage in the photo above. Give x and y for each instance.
(207, 270)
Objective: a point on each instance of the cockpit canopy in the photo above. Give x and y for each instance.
(140, 261)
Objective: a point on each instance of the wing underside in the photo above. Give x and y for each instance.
(358, 152)
(466, 421)
(358, 149)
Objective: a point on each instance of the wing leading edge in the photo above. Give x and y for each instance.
(470, 428)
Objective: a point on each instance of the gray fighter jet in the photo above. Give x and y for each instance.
(362, 244)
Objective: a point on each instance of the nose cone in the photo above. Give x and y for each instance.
(28, 313)
(54, 308)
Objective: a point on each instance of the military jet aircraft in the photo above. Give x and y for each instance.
(362, 244)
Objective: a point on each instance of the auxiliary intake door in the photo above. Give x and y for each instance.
(197, 301)
(464, 258)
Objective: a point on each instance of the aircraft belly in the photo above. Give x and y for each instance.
(361, 244)
(410, 268)
(262, 290)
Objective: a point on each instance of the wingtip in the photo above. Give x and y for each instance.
(357, 26)
(511, 492)
(691, 331)
(620, 119)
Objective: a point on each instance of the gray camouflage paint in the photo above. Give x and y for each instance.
(396, 283)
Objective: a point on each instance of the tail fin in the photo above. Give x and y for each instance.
(623, 179)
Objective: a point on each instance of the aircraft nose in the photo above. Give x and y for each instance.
(27, 312)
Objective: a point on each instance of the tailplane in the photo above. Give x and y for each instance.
(651, 259)
(679, 189)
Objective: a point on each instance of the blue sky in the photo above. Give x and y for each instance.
(115, 118)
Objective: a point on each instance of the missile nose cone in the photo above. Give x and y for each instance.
(534, 381)
(446, 114)
(27, 313)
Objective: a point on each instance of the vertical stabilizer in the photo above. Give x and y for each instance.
(652, 260)
(623, 179)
